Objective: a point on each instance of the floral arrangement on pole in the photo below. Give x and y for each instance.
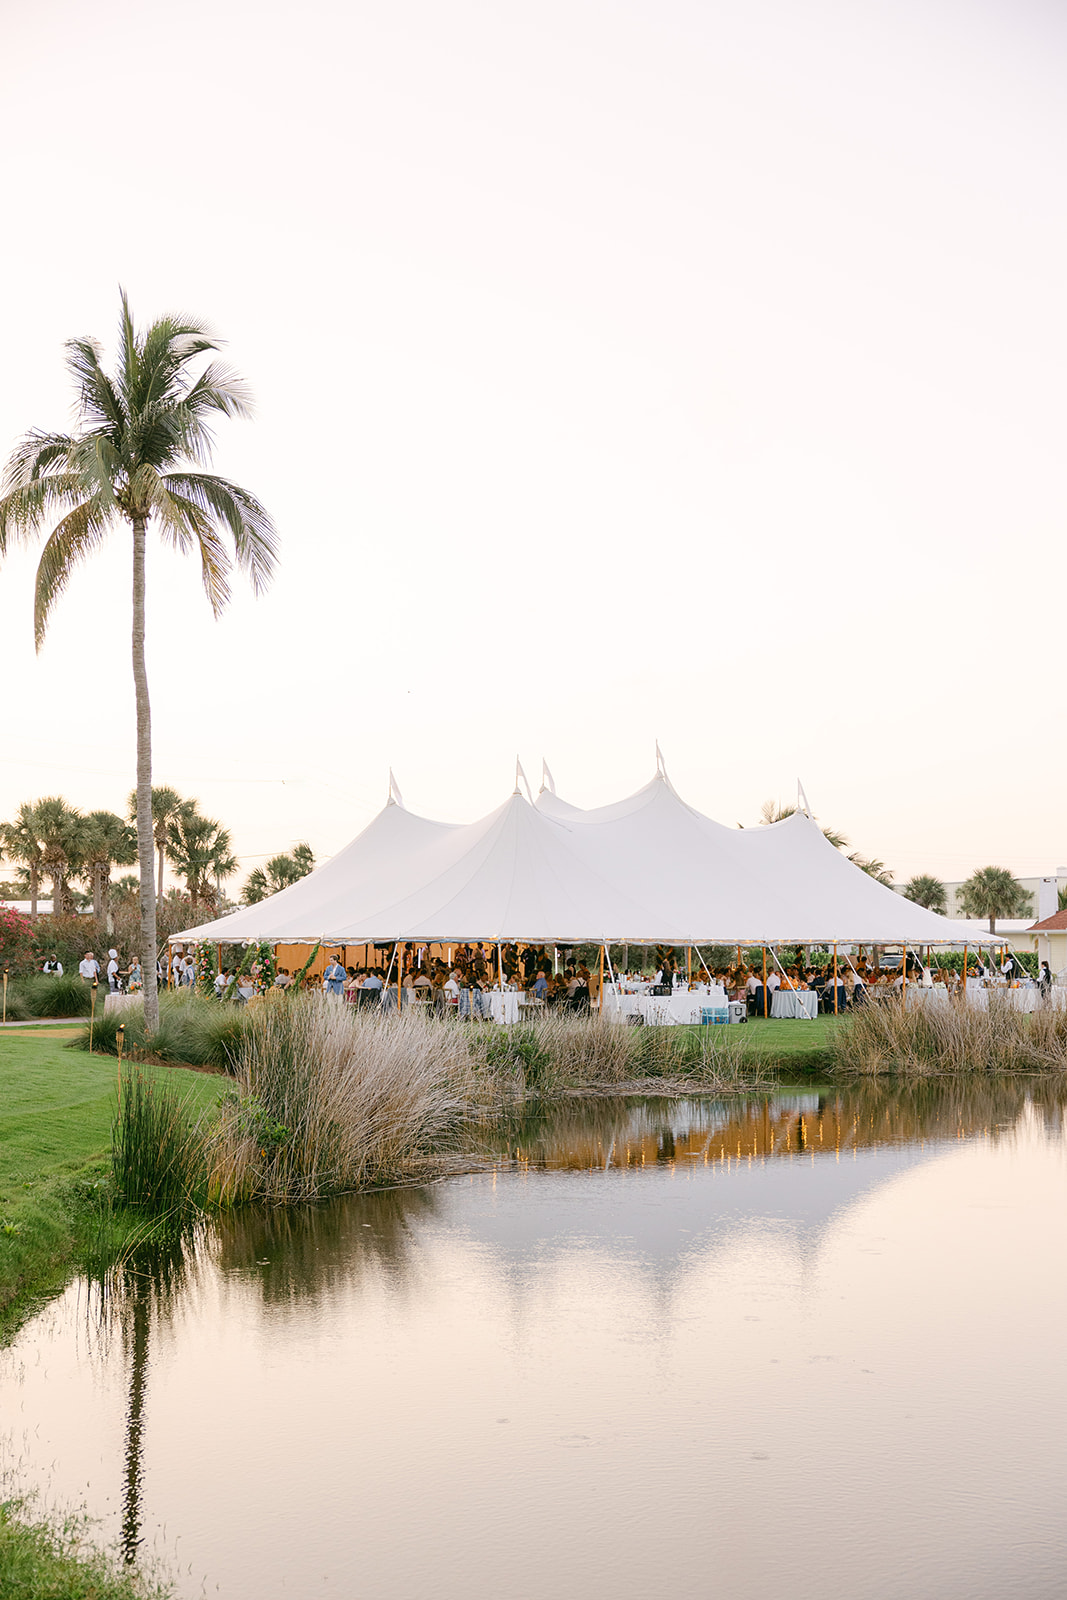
(300, 978)
(262, 966)
(205, 977)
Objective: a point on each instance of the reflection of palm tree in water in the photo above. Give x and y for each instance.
(136, 1322)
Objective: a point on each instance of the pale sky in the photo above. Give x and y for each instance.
(623, 371)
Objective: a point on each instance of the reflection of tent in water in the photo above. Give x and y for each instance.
(648, 870)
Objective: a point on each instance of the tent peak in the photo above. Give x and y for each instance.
(395, 797)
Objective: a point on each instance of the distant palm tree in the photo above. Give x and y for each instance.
(278, 874)
(992, 892)
(166, 803)
(1061, 899)
(771, 811)
(20, 844)
(927, 891)
(201, 852)
(145, 433)
(63, 836)
(110, 842)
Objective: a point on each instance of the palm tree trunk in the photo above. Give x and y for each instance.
(97, 897)
(159, 890)
(146, 842)
(34, 876)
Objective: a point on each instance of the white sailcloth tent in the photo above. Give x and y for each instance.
(647, 870)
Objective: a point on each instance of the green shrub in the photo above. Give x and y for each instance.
(192, 1029)
(66, 996)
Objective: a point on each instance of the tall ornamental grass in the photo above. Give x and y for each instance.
(44, 996)
(884, 1036)
(328, 1101)
(156, 1147)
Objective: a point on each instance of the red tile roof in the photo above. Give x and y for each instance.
(1057, 923)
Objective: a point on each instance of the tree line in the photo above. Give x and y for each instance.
(50, 842)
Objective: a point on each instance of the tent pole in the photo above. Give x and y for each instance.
(903, 976)
(500, 967)
(835, 977)
(399, 979)
(614, 982)
(689, 965)
(600, 995)
(765, 981)
(965, 948)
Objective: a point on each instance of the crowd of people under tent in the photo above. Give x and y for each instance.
(534, 973)
(536, 976)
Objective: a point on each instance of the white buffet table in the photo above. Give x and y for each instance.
(663, 1010)
(795, 1003)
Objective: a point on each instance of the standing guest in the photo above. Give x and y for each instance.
(135, 978)
(333, 978)
(113, 971)
(53, 967)
(89, 967)
(1044, 980)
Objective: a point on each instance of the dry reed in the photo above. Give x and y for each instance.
(883, 1036)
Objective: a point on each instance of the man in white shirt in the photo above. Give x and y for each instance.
(89, 967)
(774, 981)
(53, 968)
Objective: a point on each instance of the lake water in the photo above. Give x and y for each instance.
(797, 1345)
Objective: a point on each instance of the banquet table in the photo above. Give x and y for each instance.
(664, 1010)
(794, 1003)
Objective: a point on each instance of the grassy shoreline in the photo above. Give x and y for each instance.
(56, 1110)
(44, 1559)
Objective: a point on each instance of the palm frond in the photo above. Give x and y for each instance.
(75, 537)
(34, 454)
(255, 539)
(98, 400)
(24, 510)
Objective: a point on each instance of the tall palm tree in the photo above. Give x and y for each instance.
(992, 892)
(145, 433)
(19, 843)
(166, 803)
(926, 890)
(110, 842)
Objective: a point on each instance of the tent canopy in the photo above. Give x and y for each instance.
(647, 870)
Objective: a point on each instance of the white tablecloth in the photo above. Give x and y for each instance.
(794, 1003)
(666, 1010)
(503, 1007)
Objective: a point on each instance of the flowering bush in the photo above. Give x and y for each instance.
(16, 940)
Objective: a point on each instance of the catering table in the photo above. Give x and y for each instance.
(503, 1007)
(794, 1003)
(663, 1010)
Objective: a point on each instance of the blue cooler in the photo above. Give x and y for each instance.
(713, 1016)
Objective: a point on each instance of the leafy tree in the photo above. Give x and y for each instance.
(202, 854)
(110, 842)
(771, 811)
(1061, 899)
(927, 891)
(992, 892)
(145, 433)
(278, 874)
(20, 845)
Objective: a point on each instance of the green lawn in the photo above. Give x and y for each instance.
(56, 1108)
